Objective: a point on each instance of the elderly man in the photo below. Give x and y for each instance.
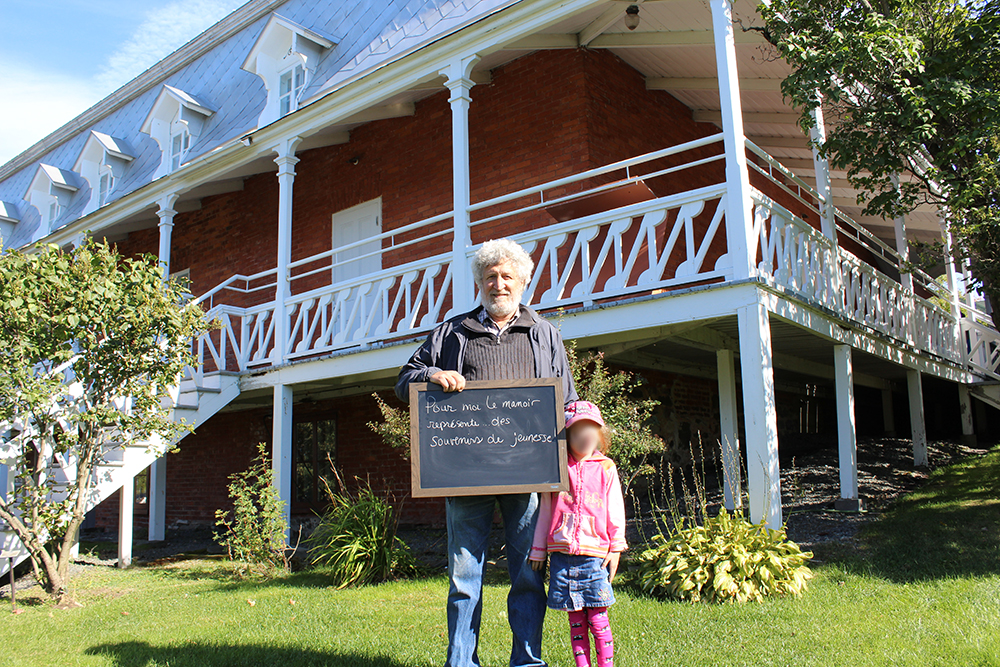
(499, 340)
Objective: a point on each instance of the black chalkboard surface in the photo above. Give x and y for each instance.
(503, 436)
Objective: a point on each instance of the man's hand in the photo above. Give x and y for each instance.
(537, 565)
(449, 380)
(611, 562)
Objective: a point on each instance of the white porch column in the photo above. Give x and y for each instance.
(158, 500)
(126, 509)
(888, 413)
(759, 415)
(965, 406)
(166, 215)
(952, 274)
(286, 162)
(741, 243)
(919, 430)
(905, 277)
(729, 430)
(158, 469)
(281, 451)
(847, 441)
(459, 81)
(903, 248)
(822, 168)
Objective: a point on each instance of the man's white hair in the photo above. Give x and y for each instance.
(498, 251)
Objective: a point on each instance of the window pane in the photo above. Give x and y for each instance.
(326, 445)
(300, 77)
(107, 182)
(285, 84)
(285, 105)
(304, 464)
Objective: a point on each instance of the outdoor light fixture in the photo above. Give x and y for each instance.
(632, 17)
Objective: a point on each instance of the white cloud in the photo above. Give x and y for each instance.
(48, 100)
(45, 102)
(163, 31)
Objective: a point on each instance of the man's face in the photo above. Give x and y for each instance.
(501, 290)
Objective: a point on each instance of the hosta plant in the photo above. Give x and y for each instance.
(725, 559)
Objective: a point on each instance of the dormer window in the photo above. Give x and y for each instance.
(51, 192)
(102, 159)
(9, 217)
(175, 123)
(289, 88)
(106, 185)
(284, 57)
(180, 142)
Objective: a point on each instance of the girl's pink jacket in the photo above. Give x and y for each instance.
(589, 520)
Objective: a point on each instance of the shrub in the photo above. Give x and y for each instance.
(725, 559)
(394, 429)
(356, 540)
(628, 416)
(253, 532)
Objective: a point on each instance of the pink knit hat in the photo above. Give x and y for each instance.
(578, 410)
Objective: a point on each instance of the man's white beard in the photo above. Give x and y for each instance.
(503, 309)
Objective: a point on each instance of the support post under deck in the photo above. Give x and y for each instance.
(759, 415)
(731, 463)
(281, 452)
(847, 440)
(919, 430)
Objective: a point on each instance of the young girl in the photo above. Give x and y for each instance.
(584, 530)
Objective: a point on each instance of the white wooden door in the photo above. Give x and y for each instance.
(351, 226)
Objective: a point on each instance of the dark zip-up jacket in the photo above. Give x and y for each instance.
(444, 349)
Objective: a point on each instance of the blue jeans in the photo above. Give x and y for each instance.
(470, 519)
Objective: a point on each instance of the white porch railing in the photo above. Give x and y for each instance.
(788, 182)
(658, 244)
(655, 244)
(798, 257)
(981, 344)
(607, 255)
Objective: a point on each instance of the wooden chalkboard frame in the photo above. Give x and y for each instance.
(559, 418)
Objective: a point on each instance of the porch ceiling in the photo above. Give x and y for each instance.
(673, 48)
(800, 357)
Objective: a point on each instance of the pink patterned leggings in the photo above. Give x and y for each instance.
(596, 619)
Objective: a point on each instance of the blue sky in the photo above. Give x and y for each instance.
(60, 57)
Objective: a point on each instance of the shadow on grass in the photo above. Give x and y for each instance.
(143, 654)
(223, 576)
(948, 528)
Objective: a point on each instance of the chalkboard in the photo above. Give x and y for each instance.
(503, 436)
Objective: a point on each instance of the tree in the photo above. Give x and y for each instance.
(90, 344)
(911, 89)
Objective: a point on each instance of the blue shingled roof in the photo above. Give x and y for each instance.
(367, 34)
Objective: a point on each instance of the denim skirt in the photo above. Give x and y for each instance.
(576, 582)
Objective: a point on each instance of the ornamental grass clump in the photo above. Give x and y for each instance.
(725, 559)
(356, 542)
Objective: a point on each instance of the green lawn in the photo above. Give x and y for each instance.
(923, 590)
